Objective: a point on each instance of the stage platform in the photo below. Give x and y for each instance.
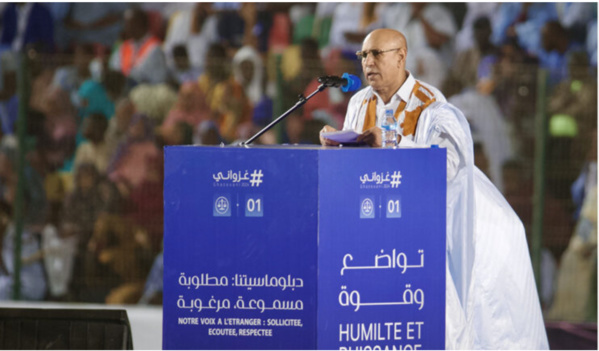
(146, 325)
(146, 321)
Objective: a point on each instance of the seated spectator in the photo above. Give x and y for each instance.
(33, 281)
(69, 78)
(140, 57)
(190, 107)
(248, 71)
(144, 205)
(93, 98)
(518, 191)
(94, 150)
(59, 257)
(131, 163)
(226, 99)
(60, 124)
(556, 47)
(119, 250)
(81, 209)
(154, 101)
(183, 71)
(181, 133)
(117, 126)
(576, 294)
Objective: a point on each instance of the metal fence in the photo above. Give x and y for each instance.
(84, 234)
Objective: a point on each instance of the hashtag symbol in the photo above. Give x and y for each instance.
(395, 179)
(256, 178)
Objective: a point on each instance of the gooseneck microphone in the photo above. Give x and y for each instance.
(347, 82)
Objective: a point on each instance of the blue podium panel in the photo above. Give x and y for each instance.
(306, 248)
(240, 248)
(382, 249)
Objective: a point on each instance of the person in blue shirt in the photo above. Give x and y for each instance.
(39, 27)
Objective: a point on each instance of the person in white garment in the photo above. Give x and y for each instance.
(491, 297)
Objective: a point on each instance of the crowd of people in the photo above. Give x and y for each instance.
(110, 84)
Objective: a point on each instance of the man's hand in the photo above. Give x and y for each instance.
(325, 141)
(372, 137)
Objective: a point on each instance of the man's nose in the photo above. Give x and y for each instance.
(368, 61)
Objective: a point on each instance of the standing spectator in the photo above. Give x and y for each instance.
(467, 66)
(428, 29)
(576, 17)
(195, 30)
(522, 22)
(140, 57)
(351, 22)
(27, 23)
(90, 22)
(9, 100)
(464, 39)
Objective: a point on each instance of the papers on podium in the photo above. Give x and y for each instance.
(342, 136)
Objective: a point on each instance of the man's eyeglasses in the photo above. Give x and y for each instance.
(363, 55)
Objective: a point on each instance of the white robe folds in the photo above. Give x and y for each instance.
(491, 299)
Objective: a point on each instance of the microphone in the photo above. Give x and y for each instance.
(347, 82)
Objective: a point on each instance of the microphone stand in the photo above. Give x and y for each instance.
(302, 100)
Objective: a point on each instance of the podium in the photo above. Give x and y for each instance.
(304, 248)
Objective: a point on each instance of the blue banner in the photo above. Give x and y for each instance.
(240, 248)
(381, 248)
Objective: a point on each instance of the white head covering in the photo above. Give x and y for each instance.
(254, 89)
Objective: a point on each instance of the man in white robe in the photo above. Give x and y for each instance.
(491, 298)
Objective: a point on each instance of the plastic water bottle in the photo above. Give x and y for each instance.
(389, 128)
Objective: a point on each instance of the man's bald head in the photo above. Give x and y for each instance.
(391, 36)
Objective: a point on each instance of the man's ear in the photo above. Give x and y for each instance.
(401, 57)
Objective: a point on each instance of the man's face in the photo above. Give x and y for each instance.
(381, 72)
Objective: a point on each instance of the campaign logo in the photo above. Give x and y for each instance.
(232, 178)
(381, 180)
(222, 206)
(367, 208)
